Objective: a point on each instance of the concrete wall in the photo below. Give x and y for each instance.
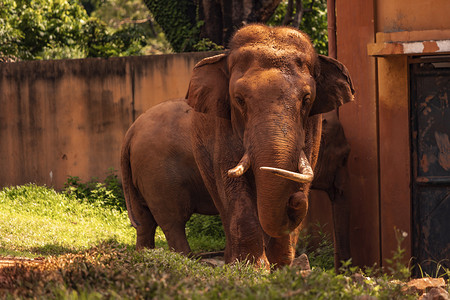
(68, 117)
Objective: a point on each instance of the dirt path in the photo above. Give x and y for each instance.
(12, 261)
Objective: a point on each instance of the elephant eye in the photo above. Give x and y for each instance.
(307, 99)
(239, 101)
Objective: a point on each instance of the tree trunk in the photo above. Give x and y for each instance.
(179, 19)
(223, 17)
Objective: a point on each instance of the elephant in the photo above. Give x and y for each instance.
(331, 175)
(242, 144)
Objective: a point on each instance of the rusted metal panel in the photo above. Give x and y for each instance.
(430, 92)
(395, 161)
(401, 15)
(355, 29)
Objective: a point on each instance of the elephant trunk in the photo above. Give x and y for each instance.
(274, 152)
(281, 205)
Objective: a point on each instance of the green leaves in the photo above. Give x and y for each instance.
(108, 194)
(205, 233)
(34, 26)
(55, 29)
(39, 221)
(113, 270)
(178, 20)
(314, 22)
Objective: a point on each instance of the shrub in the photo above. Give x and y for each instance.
(205, 233)
(108, 194)
(320, 255)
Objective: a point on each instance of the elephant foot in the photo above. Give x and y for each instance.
(280, 251)
(258, 258)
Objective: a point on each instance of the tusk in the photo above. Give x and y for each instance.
(289, 174)
(304, 167)
(241, 167)
(306, 174)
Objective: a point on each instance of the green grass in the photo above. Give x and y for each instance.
(88, 250)
(112, 270)
(205, 233)
(39, 221)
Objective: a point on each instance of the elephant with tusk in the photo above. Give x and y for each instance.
(243, 144)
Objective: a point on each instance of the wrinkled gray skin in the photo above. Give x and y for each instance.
(256, 106)
(331, 176)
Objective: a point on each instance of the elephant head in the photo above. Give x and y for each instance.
(267, 86)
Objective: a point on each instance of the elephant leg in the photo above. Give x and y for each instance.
(245, 243)
(341, 221)
(281, 251)
(145, 229)
(171, 213)
(176, 237)
(245, 237)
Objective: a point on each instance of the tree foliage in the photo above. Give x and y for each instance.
(178, 20)
(307, 15)
(192, 25)
(52, 29)
(29, 28)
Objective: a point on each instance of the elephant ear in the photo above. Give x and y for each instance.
(208, 88)
(333, 86)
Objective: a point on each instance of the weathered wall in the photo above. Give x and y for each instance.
(375, 40)
(419, 23)
(411, 15)
(355, 29)
(68, 117)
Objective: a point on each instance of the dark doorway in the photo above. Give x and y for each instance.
(430, 133)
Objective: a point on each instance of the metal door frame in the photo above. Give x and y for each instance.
(418, 182)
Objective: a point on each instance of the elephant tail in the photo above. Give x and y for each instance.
(131, 193)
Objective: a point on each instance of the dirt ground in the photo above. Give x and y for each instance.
(428, 288)
(12, 261)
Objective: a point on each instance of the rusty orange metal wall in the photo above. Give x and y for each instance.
(68, 117)
(395, 159)
(355, 29)
(400, 21)
(377, 125)
(412, 15)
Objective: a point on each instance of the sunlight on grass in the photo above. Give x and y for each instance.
(89, 254)
(114, 271)
(41, 221)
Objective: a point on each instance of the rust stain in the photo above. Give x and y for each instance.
(429, 98)
(424, 163)
(423, 179)
(425, 105)
(430, 46)
(444, 100)
(444, 150)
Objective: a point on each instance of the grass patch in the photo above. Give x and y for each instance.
(321, 255)
(37, 221)
(205, 233)
(112, 270)
(88, 249)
